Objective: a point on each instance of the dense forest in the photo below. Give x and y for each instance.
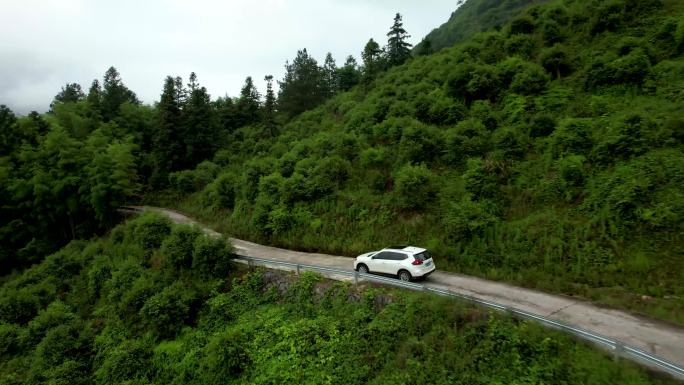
(533, 142)
(154, 303)
(545, 151)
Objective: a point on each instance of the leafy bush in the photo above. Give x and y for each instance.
(221, 192)
(522, 25)
(128, 362)
(149, 230)
(480, 180)
(165, 312)
(531, 80)
(466, 219)
(211, 257)
(510, 142)
(177, 248)
(556, 61)
(414, 186)
(224, 357)
(571, 136)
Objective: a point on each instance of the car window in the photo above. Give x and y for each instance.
(383, 255)
(398, 256)
(424, 256)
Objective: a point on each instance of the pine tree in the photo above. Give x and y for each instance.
(349, 74)
(199, 134)
(114, 94)
(70, 93)
(330, 79)
(248, 104)
(302, 88)
(269, 106)
(372, 57)
(398, 49)
(167, 147)
(94, 97)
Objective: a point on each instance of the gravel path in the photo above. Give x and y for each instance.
(656, 337)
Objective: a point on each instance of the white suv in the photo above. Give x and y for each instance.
(405, 262)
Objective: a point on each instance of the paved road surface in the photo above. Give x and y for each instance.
(656, 337)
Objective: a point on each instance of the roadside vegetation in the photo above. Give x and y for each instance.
(156, 303)
(546, 152)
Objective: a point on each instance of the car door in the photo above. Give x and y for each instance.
(394, 263)
(379, 262)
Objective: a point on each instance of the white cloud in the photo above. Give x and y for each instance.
(47, 43)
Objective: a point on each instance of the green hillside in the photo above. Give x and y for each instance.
(154, 303)
(471, 17)
(547, 154)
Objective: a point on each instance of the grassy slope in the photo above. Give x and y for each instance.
(152, 304)
(568, 182)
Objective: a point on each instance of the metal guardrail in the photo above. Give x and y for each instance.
(618, 348)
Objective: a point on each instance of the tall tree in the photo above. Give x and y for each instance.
(424, 48)
(349, 74)
(302, 88)
(269, 106)
(71, 92)
(94, 97)
(372, 57)
(114, 94)
(9, 135)
(199, 134)
(249, 103)
(330, 79)
(167, 149)
(398, 49)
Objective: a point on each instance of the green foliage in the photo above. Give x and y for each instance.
(177, 248)
(166, 312)
(414, 186)
(211, 257)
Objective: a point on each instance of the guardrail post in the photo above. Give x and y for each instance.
(250, 264)
(618, 351)
(297, 269)
(356, 277)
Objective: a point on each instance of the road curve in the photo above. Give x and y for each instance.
(655, 337)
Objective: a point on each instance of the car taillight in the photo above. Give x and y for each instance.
(417, 262)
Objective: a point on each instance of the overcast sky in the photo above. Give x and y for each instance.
(47, 43)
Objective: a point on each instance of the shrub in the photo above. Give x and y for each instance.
(211, 256)
(221, 192)
(177, 247)
(542, 125)
(556, 61)
(414, 186)
(466, 219)
(522, 24)
(531, 80)
(165, 312)
(473, 82)
(623, 140)
(480, 181)
(149, 230)
(279, 220)
(607, 17)
(224, 357)
(521, 45)
(571, 136)
(510, 142)
(127, 362)
(469, 138)
(419, 143)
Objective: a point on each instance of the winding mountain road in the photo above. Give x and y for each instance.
(658, 338)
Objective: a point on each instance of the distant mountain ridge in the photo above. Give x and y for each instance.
(472, 17)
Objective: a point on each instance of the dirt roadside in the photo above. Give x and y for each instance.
(659, 338)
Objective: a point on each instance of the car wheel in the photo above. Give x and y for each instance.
(404, 275)
(362, 269)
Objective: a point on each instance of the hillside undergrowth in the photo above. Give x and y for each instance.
(155, 303)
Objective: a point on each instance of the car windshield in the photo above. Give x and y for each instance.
(424, 256)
